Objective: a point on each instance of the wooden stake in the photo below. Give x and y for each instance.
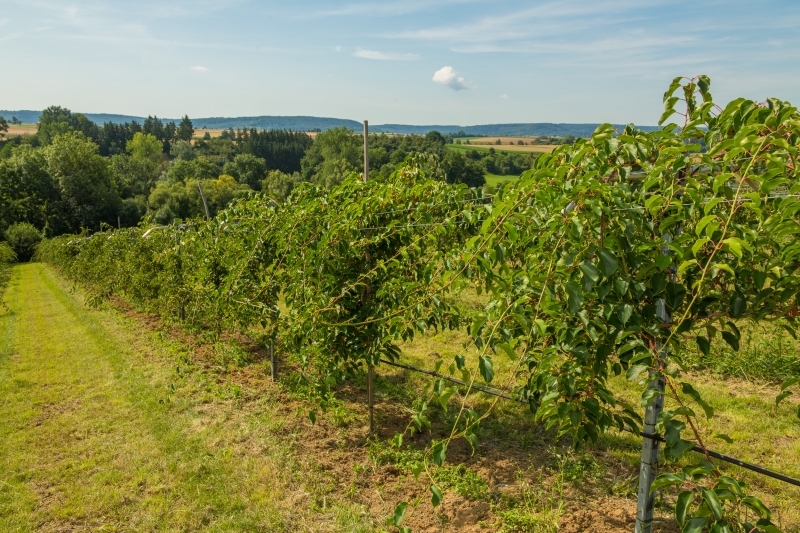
(205, 204)
(273, 360)
(370, 367)
(366, 150)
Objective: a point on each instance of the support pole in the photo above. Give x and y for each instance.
(370, 367)
(205, 203)
(371, 398)
(273, 360)
(366, 150)
(648, 469)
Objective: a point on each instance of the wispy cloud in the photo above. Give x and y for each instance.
(386, 9)
(3, 22)
(503, 97)
(448, 77)
(372, 54)
(547, 19)
(199, 68)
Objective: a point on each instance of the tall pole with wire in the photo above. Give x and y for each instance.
(370, 367)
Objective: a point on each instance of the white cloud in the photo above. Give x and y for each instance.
(372, 54)
(338, 49)
(199, 68)
(448, 77)
(3, 22)
(504, 97)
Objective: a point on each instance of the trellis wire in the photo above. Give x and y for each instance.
(655, 437)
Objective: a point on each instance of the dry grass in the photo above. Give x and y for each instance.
(22, 129)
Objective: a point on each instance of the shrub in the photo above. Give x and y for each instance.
(23, 238)
(7, 254)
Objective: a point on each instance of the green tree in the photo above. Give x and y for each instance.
(334, 155)
(279, 185)
(133, 176)
(145, 146)
(23, 238)
(183, 150)
(3, 127)
(56, 120)
(84, 181)
(185, 129)
(460, 169)
(28, 193)
(198, 169)
(247, 169)
(131, 211)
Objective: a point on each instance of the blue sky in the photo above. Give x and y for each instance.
(411, 61)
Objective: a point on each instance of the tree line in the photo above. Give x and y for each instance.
(75, 175)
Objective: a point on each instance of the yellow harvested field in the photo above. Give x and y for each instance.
(22, 129)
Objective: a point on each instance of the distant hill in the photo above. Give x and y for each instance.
(24, 116)
(305, 123)
(504, 130)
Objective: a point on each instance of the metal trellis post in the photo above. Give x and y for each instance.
(648, 469)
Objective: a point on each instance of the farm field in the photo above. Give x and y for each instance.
(497, 179)
(482, 144)
(22, 129)
(112, 420)
(536, 149)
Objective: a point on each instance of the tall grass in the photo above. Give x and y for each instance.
(766, 352)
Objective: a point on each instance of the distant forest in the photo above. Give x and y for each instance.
(75, 175)
(305, 123)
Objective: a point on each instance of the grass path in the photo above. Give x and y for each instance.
(96, 433)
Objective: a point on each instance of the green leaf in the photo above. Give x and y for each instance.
(608, 262)
(477, 324)
(789, 382)
(757, 505)
(703, 223)
(704, 344)
(416, 469)
(635, 371)
(782, 396)
(436, 495)
(737, 305)
(399, 513)
(735, 246)
(486, 368)
(439, 453)
(665, 480)
(590, 271)
(689, 390)
(574, 296)
(722, 436)
(731, 339)
(695, 525)
(685, 499)
(713, 502)
(624, 313)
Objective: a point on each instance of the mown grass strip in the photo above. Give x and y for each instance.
(95, 436)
